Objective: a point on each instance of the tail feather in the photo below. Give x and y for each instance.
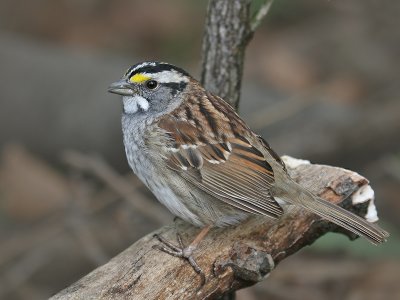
(337, 215)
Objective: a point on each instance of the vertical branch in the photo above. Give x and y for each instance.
(229, 27)
(227, 32)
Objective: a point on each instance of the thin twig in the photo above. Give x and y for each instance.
(28, 265)
(78, 222)
(104, 172)
(19, 243)
(260, 14)
(283, 109)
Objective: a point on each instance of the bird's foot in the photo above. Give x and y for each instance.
(182, 252)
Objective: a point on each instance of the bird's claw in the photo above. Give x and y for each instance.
(182, 252)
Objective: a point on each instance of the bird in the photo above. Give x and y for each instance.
(204, 163)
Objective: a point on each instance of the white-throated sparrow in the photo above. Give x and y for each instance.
(203, 162)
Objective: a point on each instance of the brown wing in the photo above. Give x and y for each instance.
(222, 163)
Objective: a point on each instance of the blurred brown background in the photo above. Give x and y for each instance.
(321, 83)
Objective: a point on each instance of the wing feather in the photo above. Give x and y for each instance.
(226, 166)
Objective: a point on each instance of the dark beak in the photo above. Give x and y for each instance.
(121, 88)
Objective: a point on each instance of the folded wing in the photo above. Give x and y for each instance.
(227, 167)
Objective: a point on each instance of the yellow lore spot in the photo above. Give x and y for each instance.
(139, 78)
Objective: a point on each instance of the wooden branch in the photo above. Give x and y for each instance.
(229, 27)
(227, 32)
(232, 258)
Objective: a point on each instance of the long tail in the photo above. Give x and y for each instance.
(299, 196)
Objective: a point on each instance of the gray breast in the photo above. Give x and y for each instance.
(152, 172)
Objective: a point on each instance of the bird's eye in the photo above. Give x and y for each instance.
(151, 84)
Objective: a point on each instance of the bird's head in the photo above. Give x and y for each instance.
(151, 87)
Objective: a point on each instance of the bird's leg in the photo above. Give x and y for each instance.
(185, 252)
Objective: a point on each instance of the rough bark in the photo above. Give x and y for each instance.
(232, 258)
(229, 27)
(227, 32)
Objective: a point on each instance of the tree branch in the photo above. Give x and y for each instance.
(260, 14)
(227, 32)
(232, 258)
(228, 29)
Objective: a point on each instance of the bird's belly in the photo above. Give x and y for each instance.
(180, 197)
(155, 177)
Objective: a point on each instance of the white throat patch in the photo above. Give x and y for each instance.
(134, 103)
